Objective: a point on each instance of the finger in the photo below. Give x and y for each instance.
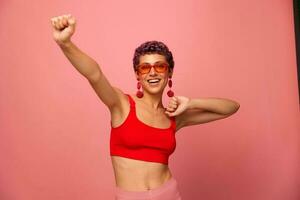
(168, 109)
(71, 20)
(173, 106)
(174, 99)
(67, 17)
(65, 22)
(173, 103)
(60, 22)
(168, 113)
(56, 23)
(52, 22)
(171, 109)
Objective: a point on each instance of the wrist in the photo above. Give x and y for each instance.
(190, 104)
(65, 45)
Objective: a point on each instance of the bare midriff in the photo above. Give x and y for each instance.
(138, 175)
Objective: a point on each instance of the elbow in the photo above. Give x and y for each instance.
(236, 107)
(233, 108)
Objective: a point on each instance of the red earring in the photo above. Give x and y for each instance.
(170, 93)
(139, 93)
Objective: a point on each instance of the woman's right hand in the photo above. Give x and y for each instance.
(63, 28)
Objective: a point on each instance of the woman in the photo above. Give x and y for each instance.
(142, 129)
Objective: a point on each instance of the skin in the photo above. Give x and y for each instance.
(137, 175)
(131, 174)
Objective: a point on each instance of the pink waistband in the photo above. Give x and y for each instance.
(153, 192)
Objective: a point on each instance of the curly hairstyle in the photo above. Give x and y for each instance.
(150, 47)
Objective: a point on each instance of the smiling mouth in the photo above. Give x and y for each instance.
(153, 81)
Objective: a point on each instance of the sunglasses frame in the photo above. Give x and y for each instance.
(153, 65)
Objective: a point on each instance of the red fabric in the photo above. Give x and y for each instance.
(137, 140)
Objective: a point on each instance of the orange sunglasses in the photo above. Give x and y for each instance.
(159, 67)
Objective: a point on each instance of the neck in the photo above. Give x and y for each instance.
(154, 101)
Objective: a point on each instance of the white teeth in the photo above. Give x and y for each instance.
(153, 80)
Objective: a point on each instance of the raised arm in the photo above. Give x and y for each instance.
(64, 28)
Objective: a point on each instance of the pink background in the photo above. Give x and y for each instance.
(55, 130)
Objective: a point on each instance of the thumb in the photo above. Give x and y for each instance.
(71, 21)
(169, 114)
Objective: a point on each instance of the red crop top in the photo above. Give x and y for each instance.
(137, 140)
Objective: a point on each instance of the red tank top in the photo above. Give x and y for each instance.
(137, 140)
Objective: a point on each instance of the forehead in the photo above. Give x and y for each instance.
(152, 58)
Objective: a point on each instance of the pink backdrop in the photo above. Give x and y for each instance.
(55, 131)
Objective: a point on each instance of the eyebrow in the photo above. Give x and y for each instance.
(155, 62)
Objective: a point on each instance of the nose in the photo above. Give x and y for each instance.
(152, 71)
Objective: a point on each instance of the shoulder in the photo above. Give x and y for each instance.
(133, 97)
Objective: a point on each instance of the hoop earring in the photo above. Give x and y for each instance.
(170, 93)
(139, 93)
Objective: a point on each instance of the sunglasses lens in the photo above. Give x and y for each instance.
(159, 67)
(144, 68)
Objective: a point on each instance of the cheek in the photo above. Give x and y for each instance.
(143, 79)
(166, 78)
(140, 77)
(165, 83)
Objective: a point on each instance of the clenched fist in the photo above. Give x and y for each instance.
(64, 28)
(177, 105)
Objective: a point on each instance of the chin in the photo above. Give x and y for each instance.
(155, 91)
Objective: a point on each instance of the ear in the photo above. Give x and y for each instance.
(136, 75)
(170, 73)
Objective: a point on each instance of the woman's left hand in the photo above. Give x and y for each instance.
(177, 105)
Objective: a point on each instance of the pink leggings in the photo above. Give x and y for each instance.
(167, 191)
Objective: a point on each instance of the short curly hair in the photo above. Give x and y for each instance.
(151, 47)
